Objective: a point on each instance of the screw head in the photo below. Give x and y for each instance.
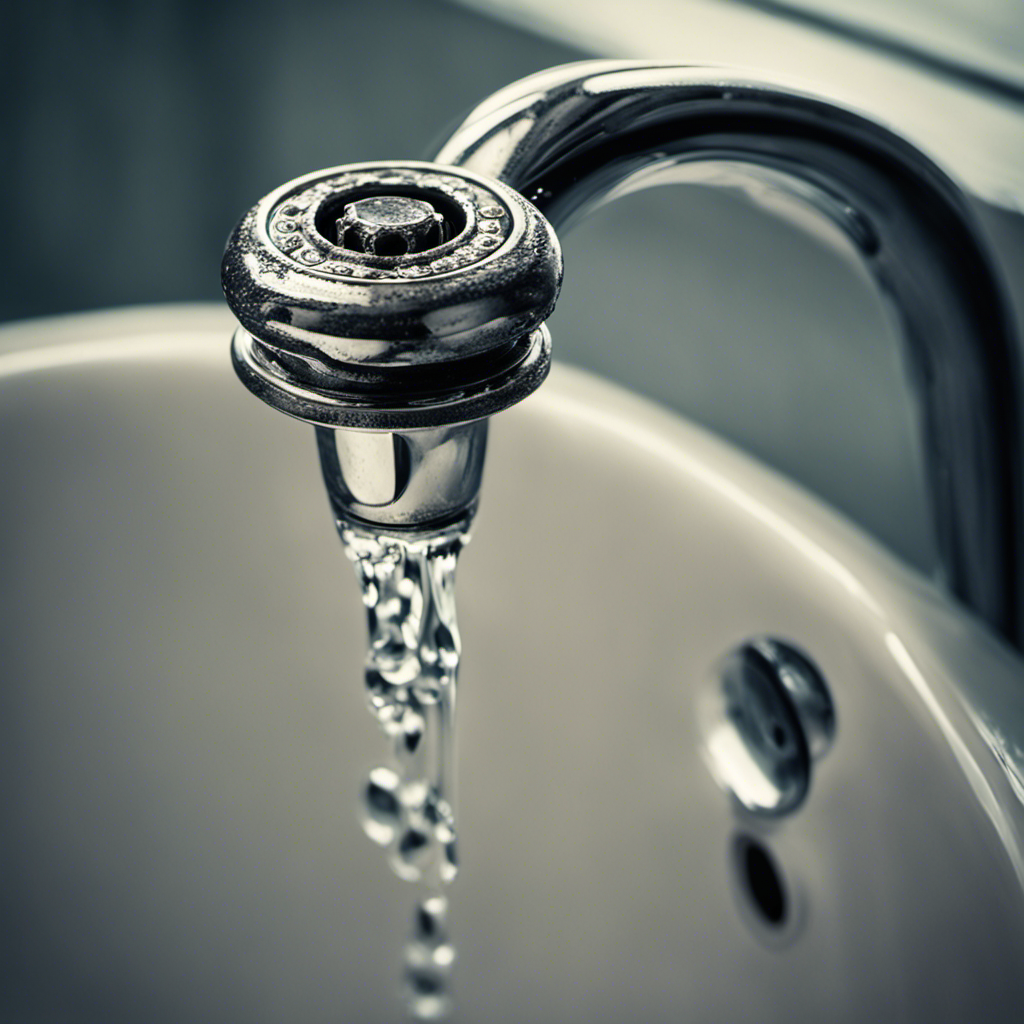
(390, 226)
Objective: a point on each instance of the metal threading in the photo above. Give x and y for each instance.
(411, 398)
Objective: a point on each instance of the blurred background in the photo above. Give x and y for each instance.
(136, 134)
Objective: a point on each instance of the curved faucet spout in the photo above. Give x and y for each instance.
(574, 137)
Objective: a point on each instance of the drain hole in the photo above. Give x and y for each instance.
(762, 882)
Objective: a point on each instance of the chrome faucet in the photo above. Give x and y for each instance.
(397, 306)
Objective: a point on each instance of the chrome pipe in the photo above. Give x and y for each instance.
(578, 136)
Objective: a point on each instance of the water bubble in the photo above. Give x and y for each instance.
(397, 664)
(436, 957)
(438, 814)
(425, 982)
(414, 794)
(412, 856)
(428, 1006)
(412, 844)
(450, 865)
(429, 957)
(382, 812)
(447, 647)
(431, 682)
(413, 727)
(444, 955)
(429, 918)
(388, 703)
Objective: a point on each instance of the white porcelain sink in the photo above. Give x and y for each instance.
(183, 732)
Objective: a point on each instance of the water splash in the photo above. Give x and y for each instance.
(408, 584)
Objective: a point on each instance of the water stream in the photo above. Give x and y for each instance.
(408, 585)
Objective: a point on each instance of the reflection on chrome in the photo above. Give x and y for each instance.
(572, 138)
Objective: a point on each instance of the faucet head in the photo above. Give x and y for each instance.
(392, 296)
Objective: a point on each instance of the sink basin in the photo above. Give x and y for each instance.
(183, 731)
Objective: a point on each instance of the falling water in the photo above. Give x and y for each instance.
(408, 585)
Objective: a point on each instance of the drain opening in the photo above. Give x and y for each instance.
(761, 882)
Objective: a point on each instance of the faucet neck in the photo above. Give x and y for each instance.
(575, 137)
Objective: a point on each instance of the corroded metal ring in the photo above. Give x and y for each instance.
(343, 333)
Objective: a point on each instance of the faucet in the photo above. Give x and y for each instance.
(397, 306)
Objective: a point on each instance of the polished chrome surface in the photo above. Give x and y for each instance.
(575, 137)
(414, 480)
(402, 402)
(407, 299)
(766, 716)
(183, 733)
(444, 332)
